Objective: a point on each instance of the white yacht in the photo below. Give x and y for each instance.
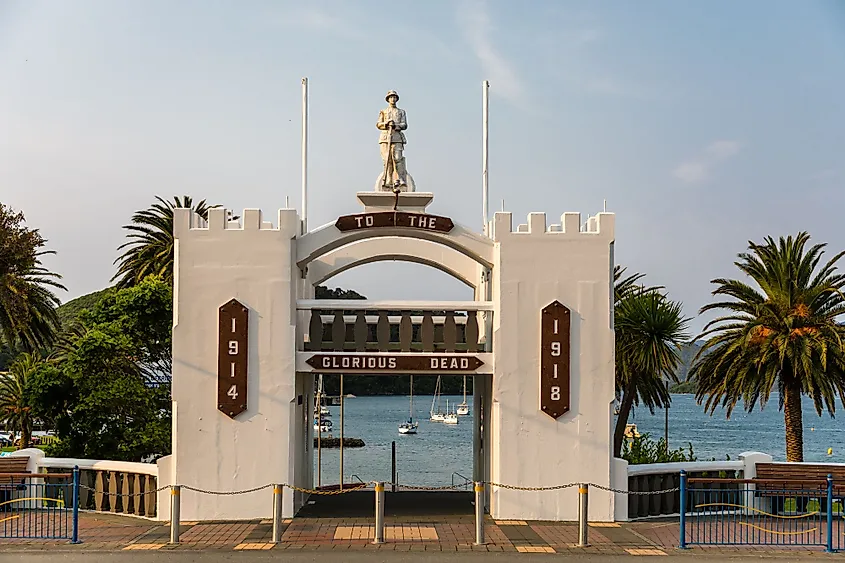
(450, 417)
(463, 408)
(410, 427)
(436, 415)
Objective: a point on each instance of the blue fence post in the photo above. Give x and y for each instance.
(829, 546)
(682, 537)
(75, 533)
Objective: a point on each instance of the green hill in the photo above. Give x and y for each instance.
(70, 310)
(687, 353)
(67, 314)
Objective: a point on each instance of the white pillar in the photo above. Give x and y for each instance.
(749, 471)
(254, 263)
(535, 266)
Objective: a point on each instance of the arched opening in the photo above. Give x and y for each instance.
(439, 454)
(328, 238)
(393, 249)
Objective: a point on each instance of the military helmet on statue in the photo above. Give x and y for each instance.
(391, 93)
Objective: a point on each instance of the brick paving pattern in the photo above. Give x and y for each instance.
(440, 533)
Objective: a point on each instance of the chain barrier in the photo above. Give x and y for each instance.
(518, 488)
(225, 493)
(328, 493)
(369, 486)
(425, 488)
(640, 493)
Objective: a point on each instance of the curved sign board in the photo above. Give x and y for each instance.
(381, 219)
(232, 352)
(554, 359)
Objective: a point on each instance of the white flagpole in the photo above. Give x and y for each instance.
(485, 91)
(304, 155)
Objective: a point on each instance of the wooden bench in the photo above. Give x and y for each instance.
(800, 477)
(9, 466)
(801, 481)
(10, 470)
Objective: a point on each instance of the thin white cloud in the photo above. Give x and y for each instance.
(691, 172)
(697, 169)
(723, 149)
(477, 26)
(321, 21)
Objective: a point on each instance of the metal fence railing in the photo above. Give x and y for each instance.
(461, 480)
(713, 511)
(761, 512)
(656, 477)
(39, 506)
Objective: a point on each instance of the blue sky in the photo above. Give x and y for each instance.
(703, 124)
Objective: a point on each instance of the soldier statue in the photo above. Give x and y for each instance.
(392, 122)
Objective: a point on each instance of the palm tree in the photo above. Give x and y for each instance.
(649, 329)
(624, 287)
(779, 335)
(15, 413)
(149, 250)
(28, 318)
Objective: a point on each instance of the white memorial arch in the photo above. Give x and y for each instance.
(248, 332)
(272, 269)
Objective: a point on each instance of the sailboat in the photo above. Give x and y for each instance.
(436, 416)
(410, 427)
(463, 408)
(450, 417)
(323, 425)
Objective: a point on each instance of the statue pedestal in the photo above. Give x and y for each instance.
(410, 187)
(412, 202)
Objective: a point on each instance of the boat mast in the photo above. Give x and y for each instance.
(436, 389)
(438, 394)
(319, 430)
(411, 414)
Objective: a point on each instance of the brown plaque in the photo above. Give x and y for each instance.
(232, 352)
(554, 360)
(421, 221)
(394, 363)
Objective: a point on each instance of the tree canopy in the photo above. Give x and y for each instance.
(649, 329)
(28, 318)
(782, 335)
(106, 391)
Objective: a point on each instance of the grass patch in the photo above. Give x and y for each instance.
(14, 449)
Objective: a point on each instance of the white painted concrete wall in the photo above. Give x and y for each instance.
(257, 264)
(533, 267)
(619, 481)
(253, 263)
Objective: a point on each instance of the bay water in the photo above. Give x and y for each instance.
(441, 454)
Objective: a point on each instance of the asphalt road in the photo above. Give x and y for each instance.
(361, 557)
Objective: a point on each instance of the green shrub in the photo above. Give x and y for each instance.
(642, 449)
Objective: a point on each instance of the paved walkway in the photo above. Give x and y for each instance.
(437, 533)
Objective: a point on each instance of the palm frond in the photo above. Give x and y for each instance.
(148, 249)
